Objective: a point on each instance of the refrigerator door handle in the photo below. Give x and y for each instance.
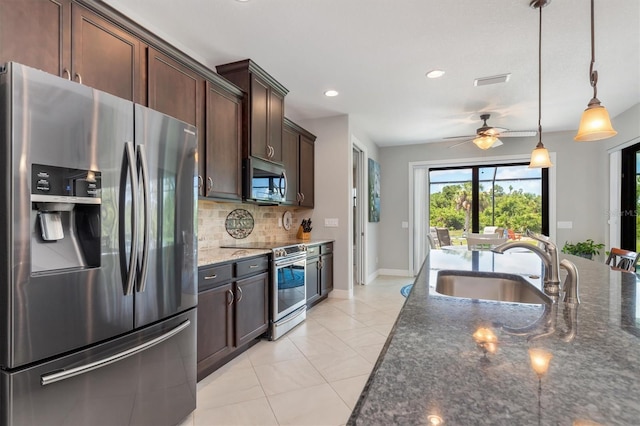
(144, 265)
(48, 379)
(130, 274)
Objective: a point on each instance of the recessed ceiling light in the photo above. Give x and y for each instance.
(242, 1)
(435, 74)
(331, 93)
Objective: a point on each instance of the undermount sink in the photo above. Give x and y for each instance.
(501, 287)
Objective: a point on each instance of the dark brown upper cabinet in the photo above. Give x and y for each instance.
(68, 40)
(298, 160)
(263, 109)
(174, 89)
(221, 175)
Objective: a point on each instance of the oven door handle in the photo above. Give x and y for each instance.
(290, 260)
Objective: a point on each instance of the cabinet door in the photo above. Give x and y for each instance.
(313, 282)
(251, 307)
(306, 179)
(104, 56)
(174, 89)
(37, 33)
(259, 118)
(215, 331)
(290, 162)
(326, 274)
(276, 118)
(223, 146)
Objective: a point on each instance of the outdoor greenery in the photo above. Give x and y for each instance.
(586, 248)
(514, 209)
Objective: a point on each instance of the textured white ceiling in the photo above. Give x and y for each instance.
(376, 54)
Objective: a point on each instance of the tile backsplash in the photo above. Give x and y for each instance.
(212, 215)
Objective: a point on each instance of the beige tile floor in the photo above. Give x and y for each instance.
(311, 376)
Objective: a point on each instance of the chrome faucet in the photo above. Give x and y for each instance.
(549, 257)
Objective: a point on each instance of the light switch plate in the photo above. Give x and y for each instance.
(331, 222)
(565, 225)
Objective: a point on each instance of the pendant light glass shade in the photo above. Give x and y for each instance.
(540, 157)
(485, 142)
(595, 124)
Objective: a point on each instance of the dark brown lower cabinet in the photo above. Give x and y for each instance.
(319, 272)
(233, 311)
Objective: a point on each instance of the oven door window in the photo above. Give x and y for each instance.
(291, 286)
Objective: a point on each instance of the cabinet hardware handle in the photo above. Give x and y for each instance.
(240, 296)
(78, 78)
(302, 195)
(66, 71)
(210, 277)
(210, 184)
(230, 293)
(200, 185)
(253, 266)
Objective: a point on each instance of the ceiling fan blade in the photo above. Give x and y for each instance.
(460, 143)
(494, 131)
(498, 142)
(518, 133)
(460, 137)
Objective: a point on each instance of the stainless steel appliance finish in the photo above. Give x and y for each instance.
(289, 298)
(264, 182)
(98, 257)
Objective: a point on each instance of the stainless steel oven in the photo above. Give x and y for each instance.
(289, 296)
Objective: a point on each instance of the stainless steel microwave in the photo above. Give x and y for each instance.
(264, 182)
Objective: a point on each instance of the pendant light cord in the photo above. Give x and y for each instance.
(540, 79)
(593, 74)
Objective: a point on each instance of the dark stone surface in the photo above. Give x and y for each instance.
(431, 365)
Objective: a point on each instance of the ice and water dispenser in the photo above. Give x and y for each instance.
(65, 218)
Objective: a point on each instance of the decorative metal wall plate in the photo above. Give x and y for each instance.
(239, 223)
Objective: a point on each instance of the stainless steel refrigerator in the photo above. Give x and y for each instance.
(98, 290)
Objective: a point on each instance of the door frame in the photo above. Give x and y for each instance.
(358, 157)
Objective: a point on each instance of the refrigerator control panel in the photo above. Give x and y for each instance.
(65, 182)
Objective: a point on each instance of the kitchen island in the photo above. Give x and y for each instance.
(431, 371)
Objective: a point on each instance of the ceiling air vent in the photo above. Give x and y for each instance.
(494, 79)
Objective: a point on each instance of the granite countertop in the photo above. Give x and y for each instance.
(217, 255)
(431, 366)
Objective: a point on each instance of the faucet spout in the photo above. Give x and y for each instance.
(549, 257)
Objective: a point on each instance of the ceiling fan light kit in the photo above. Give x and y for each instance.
(540, 155)
(485, 142)
(595, 123)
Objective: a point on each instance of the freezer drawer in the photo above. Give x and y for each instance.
(155, 386)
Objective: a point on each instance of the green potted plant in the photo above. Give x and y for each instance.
(584, 249)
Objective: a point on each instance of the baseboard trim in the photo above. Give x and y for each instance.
(395, 272)
(372, 277)
(341, 294)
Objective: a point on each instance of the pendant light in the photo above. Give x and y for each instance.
(595, 123)
(540, 155)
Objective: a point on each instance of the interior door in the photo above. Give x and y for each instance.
(630, 198)
(167, 269)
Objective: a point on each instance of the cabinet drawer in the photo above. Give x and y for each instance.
(326, 248)
(313, 251)
(252, 266)
(210, 276)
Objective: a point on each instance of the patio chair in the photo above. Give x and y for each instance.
(443, 237)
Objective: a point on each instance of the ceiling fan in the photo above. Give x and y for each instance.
(487, 136)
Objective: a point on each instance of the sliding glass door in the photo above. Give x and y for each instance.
(512, 197)
(630, 198)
